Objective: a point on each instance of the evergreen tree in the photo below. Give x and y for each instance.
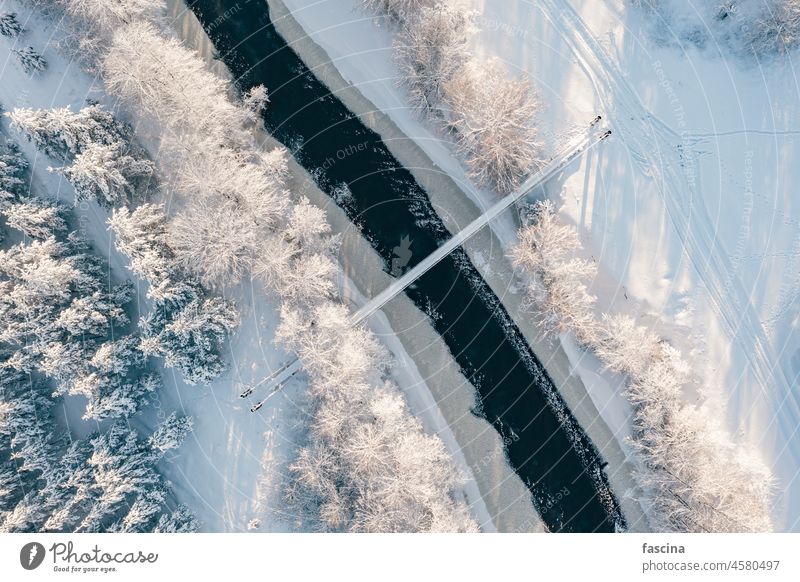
(188, 331)
(36, 218)
(12, 171)
(172, 432)
(32, 62)
(179, 521)
(9, 25)
(105, 173)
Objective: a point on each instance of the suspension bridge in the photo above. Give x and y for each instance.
(588, 139)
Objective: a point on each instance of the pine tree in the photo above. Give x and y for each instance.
(36, 218)
(32, 62)
(188, 330)
(63, 134)
(123, 467)
(104, 173)
(13, 166)
(9, 25)
(179, 521)
(172, 432)
(103, 162)
(142, 236)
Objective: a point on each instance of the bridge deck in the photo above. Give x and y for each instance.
(590, 138)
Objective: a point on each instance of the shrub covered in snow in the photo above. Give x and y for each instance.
(760, 28)
(400, 10)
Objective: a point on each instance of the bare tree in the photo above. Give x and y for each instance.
(557, 283)
(430, 50)
(493, 117)
(400, 10)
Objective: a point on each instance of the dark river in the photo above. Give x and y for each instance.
(546, 447)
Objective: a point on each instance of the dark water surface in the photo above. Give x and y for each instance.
(546, 447)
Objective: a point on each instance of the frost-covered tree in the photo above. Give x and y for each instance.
(255, 101)
(108, 15)
(57, 315)
(13, 166)
(62, 133)
(776, 30)
(113, 380)
(188, 331)
(298, 264)
(103, 162)
(695, 478)
(108, 483)
(430, 51)
(92, 22)
(368, 465)
(32, 62)
(122, 467)
(557, 277)
(104, 173)
(238, 203)
(493, 116)
(141, 235)
(400, 10)
(751, 28)
(36, 218)
(150, 73)
(172, 432)
(9, 25)
(185, 326)
(179, 521)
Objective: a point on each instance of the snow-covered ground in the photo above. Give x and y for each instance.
(688, 209)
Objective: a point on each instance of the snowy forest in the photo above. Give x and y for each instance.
(146, 224)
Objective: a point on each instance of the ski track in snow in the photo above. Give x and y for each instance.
(653, 144)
